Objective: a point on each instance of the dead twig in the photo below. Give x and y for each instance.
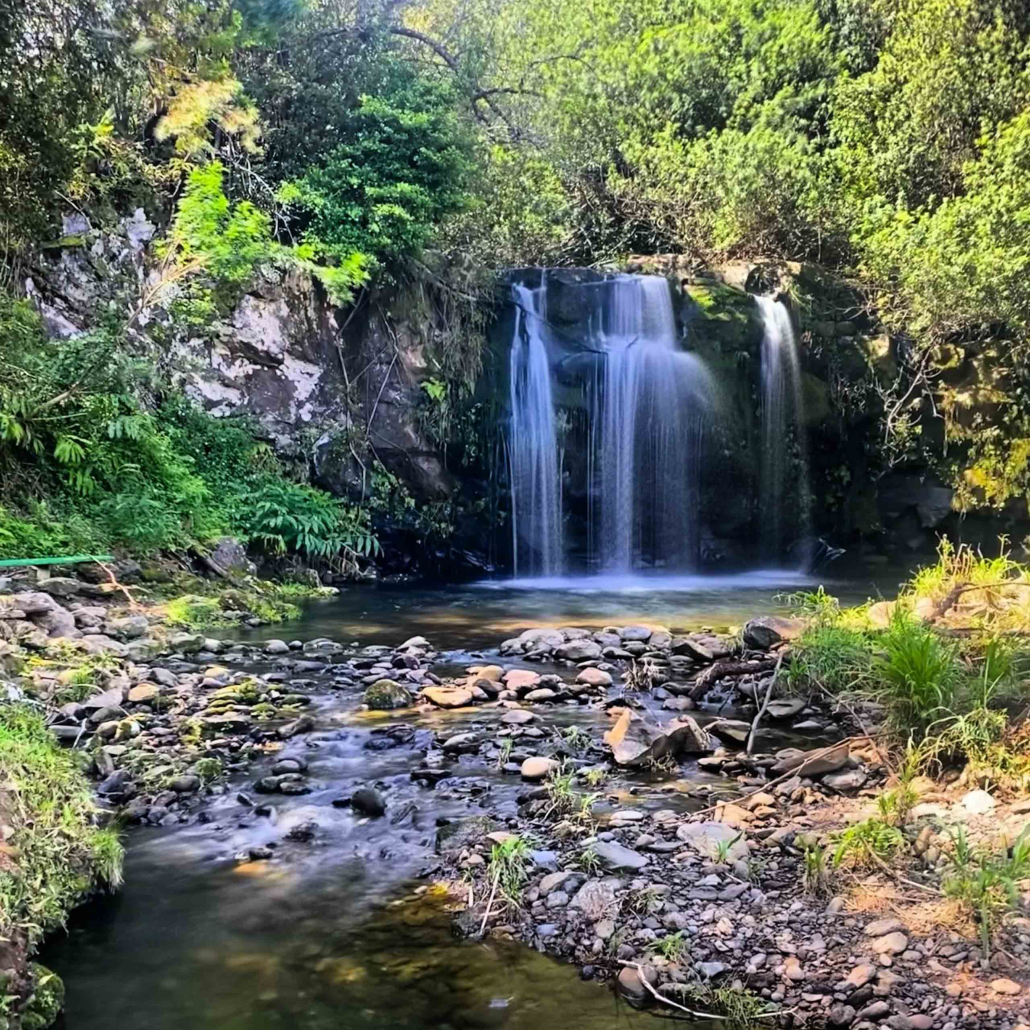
(765, 704)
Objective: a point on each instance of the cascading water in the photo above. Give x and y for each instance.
(537, 544)
(784, 461)
(646, 408)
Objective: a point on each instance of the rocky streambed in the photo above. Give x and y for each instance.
(321, 782)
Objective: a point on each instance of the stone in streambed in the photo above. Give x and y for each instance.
(448, 697)
(578, 650)
(517, 717)
(595, 678)
(732, 731)
(368, 801)
(537, 768)
(596, 899)
(615, 856)
(631, 982)
(521, 679)
(769, 630)
(387, 694)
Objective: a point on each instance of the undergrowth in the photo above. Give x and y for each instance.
(56, 854)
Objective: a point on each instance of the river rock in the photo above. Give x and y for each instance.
(368, 801)
(978, 802)
(487, 672)
(595, 677)
(692, 649)
(144, 694)
(733, 731)
(129, 628)
(521, 679)
(448, 697)
(890, 944)
(541, 694)
(812, 763)
(596, 899)
(769, 630)
(387, 694)
(706, 837)
(277, 647)
(304, 724)
(615, 856)
(639, 633)
(61, 586)
(517, 717)
(578, 650)
(537, 768)
(631, 982)
(784, 708)
(845, 780)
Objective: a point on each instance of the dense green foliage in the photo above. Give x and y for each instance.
(372, 142)
(85, 466)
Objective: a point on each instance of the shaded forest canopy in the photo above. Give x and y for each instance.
(369, 141)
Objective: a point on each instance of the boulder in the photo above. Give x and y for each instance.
(815, 762)
(517, 717)
(596, 899)
(542, 639)
(769, 630)
(641, 633)
(706, 838)
(61, 586)
(615, 856)
(731, 731)
(632, 982)
(578, 650)
(595, 678)
(537, 768)
(636, 744)
(368, 801)
(385, 695)
(521, 679)
(231, 556)
(128, 628)
(447, 697)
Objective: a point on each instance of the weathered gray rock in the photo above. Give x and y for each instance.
(387, 694)
(732, 731)
(815, 762)
(615, 856)
(706, 838)
(128, 628)
(578, 650)
(61, 586)
(368, 801)
(769, 630)
(537, 768)
(596, 899)
(641, 633)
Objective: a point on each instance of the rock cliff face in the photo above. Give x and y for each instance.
(327, 390)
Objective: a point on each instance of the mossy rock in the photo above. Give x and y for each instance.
(385, 695)
(46, 1001)
(722, 316)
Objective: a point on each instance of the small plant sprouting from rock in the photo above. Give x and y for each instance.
(724, 848)
(815, 874)
(596, 776)
(642, 901)
(589, 861)
(866, 842)
(504, 754)
(672, 946)
(507, 869)
(643, 675)
(987, 881)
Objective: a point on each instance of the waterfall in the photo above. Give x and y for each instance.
(783, 438)
(645, 410)
(533, 445)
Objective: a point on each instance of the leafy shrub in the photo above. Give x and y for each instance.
(918, 674)
(988, 881)
(286, 516)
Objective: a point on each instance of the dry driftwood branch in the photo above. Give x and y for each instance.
(727, 667)
(765, 704)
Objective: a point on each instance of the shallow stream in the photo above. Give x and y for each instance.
(331, 934)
